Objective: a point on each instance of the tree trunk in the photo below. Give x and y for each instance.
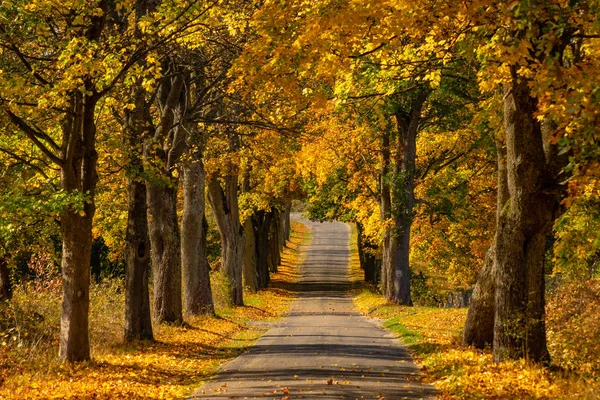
(166, 253)
(287, 226)
(523, 226)
(225, 208)
(196, 279)
(274, 248)
(78, 175)
(479, 326)
(281, 237)
(400, 247)
(250, 271)
(162, 151)
(138, 320)
(368, 261)
(261, 222)
(403, 201)
(386, 213)
(5, 284)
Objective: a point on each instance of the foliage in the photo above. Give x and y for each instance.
(454, 225)
(577, 233)
(574, 328)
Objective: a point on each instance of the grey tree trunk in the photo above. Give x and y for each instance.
(287, 222)
(162, 151)
(282, 228)
(5, 284)
(78, 175)
(224, 203)
(386, 213)
(250, 271)
(403, 201)
(166, 253)
(523, 226)
(196, 279)
(274, 254)
(366, 252)
(261, 222)
(138, 320)
(479, 326)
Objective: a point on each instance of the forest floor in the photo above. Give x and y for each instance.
(181, 358)
(433, 336)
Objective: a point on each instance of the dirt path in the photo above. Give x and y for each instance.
(323, 349)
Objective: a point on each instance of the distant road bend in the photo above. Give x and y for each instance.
(323, 349)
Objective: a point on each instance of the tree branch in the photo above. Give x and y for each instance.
(33, 135)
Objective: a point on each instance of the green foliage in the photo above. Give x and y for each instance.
(423, 292)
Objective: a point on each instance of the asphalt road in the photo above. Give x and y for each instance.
(323, 349)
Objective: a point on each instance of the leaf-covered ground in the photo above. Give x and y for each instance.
(179, 361)
(460, 372)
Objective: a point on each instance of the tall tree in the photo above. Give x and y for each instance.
(138, 322)
(223, 195)
(57, 85)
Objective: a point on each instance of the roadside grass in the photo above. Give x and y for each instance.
(180, 360)
(433, 335)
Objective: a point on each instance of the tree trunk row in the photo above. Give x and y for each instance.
(265, 235)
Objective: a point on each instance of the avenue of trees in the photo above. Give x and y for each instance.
(461, 139)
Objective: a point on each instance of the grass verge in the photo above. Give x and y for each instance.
(172, 367)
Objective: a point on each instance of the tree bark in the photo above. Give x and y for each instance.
(224, 203)
(138, 320)
(479, 326)
(287, 222)
(274, 254)
(166, 253)
(403, 201)
(523, 226)
(386, 213)
(78, 176)
(162, 151)
(5, 284)
(250, 271)
(261, 222)
(368, 261)
(282, 239)
(196, 279)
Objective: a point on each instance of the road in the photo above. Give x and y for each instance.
(323, 349)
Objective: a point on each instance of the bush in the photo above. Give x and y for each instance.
(574, 327)
(422, 293)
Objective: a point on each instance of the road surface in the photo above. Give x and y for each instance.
(323, 349)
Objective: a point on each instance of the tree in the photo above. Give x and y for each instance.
(534, 47)
(223, 195)
(62, 73)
